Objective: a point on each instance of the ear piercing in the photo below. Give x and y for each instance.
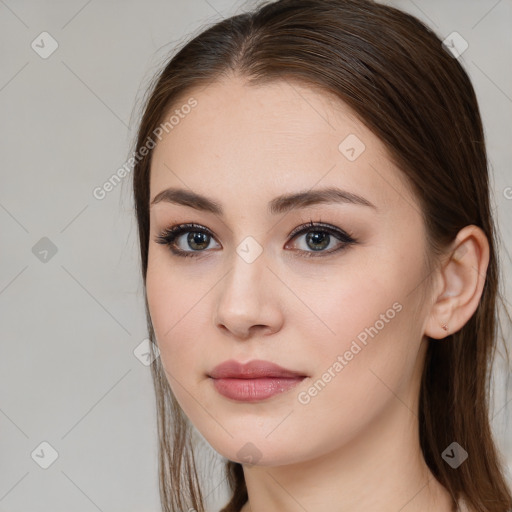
(444, 326)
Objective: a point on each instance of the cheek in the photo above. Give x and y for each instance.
(361, 368)
(352, 300)
(364, 325)
(172, 307)
(179, 355)
(364, 331)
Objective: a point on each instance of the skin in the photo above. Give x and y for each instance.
(355, 445)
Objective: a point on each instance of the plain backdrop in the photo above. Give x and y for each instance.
(72, 314)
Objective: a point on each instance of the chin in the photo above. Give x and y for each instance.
(257, 452)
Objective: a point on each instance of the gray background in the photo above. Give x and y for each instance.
(71, 319)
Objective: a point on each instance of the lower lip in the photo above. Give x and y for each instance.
(252, 390)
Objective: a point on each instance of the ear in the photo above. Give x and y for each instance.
(461, 282)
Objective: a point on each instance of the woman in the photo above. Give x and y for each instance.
(319, 262)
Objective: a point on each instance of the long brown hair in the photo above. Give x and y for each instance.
(410, 92)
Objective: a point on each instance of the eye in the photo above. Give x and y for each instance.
(319, 236)
(198, 238)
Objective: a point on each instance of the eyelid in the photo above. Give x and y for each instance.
(310, 225)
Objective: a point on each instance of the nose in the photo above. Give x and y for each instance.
(248, 301)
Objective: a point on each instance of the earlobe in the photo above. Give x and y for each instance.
(462, 277)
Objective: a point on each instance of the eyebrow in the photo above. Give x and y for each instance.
(278, 205)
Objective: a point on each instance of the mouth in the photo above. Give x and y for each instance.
(254, 381)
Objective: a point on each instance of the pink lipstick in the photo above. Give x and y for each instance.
(253, 381)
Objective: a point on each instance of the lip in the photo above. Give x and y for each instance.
(253, 381)
(255, 369)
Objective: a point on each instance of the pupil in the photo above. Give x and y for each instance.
(318, 238)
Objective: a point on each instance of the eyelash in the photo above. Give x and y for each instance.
(169, 236)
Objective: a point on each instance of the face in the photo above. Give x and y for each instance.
(331, 290)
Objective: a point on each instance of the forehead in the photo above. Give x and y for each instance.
(264, 140)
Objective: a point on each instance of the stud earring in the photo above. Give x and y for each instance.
(444, 326)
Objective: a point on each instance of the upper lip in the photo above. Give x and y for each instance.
(252, 370)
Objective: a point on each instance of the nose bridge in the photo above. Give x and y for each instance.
(248, 265)
(244, 297)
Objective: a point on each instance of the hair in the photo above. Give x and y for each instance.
(394, 73)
